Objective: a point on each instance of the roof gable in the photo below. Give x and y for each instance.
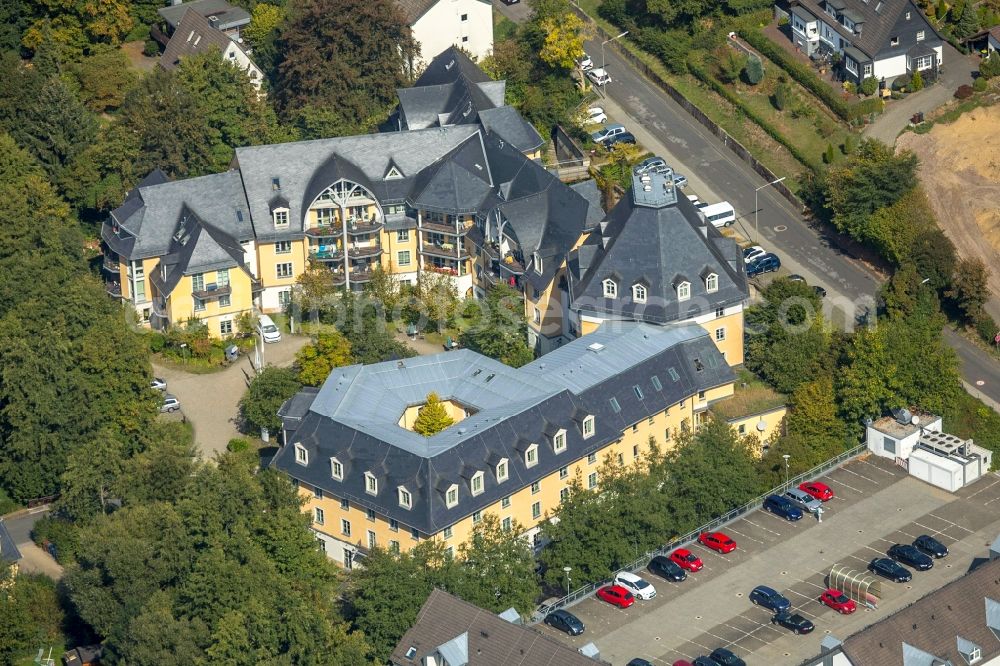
(193, 35)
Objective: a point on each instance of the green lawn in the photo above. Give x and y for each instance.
(752, 396)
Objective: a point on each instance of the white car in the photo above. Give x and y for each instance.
(639, 587)
(158, 384)
(170, 403)
(753, 253)
(585, 63)
(599, 76)
(594, 114)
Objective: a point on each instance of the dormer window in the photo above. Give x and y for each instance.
(610, 288)
(894, 41)
(683, 291)
(711, 283)
(451, 496)
(336, 469)
(502, 471)
(531, 456)
(639, 293)
(301, 455)
(405, 498)
(559, 441)
(537, 260)
(280, 217)
(476, 484)
(588, 427)
(371, 484)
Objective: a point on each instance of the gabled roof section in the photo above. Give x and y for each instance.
(334, 169)
(193, 35)
(877, 25)
(228, 15)
(663, 245)
(460, 181)
(509, 125)
(449, 66)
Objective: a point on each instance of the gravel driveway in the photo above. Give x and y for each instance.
(210, 401)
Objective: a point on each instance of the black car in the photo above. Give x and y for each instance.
(910, 555)
(782, 506)
(931, 546)
(638, 661)
(704, 661)
(793, 621)
(724, 657)
(883, 566)
(624, 137)
(765, 264)
(662, 566)
(565, 621)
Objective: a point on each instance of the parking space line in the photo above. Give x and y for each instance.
(884, 471)
(988, 502)
(982, 489)
(850, 471)
(929, 529)
(744, 536)
(961, 527)
(841, 483)
(761, 526)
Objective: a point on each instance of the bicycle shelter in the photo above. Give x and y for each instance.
(857, 584)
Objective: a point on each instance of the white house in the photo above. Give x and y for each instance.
(439, 24)
(876, 38)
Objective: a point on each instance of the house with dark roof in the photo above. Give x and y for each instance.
(655, 259)
(520, 436)
(453, 90)
(453, 632)
(440, 24)
(196, 34)
(884, 39)
(221, 15)
(958, 624)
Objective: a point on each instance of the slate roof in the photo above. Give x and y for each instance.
(876, 25)
(193, 35)
(936, 625)
(354, 416)
(658, 246)
(228, 15)
(588, 190)
(453, 90)
(8, 549)
(467, 631)
(150, 213)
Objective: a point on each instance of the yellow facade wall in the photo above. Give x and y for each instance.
(268, 260)
(731, 346)
(180, 303)
(773, 420)
(392, 246)
(630, 447)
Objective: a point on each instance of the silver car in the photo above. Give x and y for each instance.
(803, 500)
(170, 403)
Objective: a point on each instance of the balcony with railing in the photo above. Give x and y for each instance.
(448, 229)
(355, 227)
(212, 291)
(111, 265)
(454, 251)
(114, 288)
(364, 252)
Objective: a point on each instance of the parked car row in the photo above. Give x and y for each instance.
(919, 555)
(657, 164)
(758, 260)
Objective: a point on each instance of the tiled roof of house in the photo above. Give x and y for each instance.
(228, 15)
(657, 246)
(960, 615)
(878, 18)
(467, 634)
(193, 35)
(354, 417)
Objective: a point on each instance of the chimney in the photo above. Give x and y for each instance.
(214, 21)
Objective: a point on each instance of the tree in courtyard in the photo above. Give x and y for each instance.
(497, 327)
(969, 289)
(267, 392)
(917, 81)
(869, 85)
(432, 417)
(782, 96)
(317, 360)
(968, 23)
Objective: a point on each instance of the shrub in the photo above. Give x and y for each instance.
(963, 92)
(869, 86)
(59, 531)
(781, 95)
(828, 155)
(850, 88)
(237, 444)
(157, 341)
(986, 327)
(150, 48)
(866, 107)
(979, 85)
(917, 82)
(990, 67)
(753, 71)
(850, 143)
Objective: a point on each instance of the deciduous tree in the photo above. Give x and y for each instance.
(498, 329)
(317, 360)
(969, 288)
(564, 37)
(264, 397)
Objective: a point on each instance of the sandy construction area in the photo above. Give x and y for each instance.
(960, 169)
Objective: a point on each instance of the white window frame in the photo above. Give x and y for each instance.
(502, 470)
(280, 216)
(927, 58)
(610, 288)
(399, 257)
(868, 68)
(371, 484)
(477, 516)
(283, 247)
(720, 334)
(684, 291)
(477, 484)
(452, 490)
(712, 283)
(405, 497)
(588, 427)
(319, 517)
(529, 453)
(403, 235)
(301, 455)
(920, 35)
(278, 272)
(536, 511)
(559, 441)
(639, 293)
(592, 480)
(336, 469)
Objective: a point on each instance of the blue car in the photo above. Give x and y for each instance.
(765, 264)
(783, 507)
(771, 599)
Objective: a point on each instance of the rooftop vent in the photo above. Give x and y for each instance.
(902, 415)
(411, 652)
(595, 347)
(451, 63)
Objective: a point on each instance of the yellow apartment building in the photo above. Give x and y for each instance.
(520, 436)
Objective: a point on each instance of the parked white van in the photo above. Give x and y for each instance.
(268, 330)
(719, 215)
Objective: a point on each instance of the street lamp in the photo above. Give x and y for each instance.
(756, 237)
(786, 457)
(609, 40)
(567, 570)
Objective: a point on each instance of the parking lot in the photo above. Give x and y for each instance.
(876, 505)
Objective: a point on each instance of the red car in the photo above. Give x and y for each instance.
(820, 491)
(616, 595)
(685, 559)
(838, 601)
(717, 541)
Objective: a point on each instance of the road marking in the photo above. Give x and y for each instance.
(841, 483)
(762, 527)
(951, 523)
(884, 471)
(930, 529)
(983, 489)
(849, 471)
(745, 536)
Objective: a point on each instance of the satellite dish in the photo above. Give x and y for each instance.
(761, 426)
(915, 420)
